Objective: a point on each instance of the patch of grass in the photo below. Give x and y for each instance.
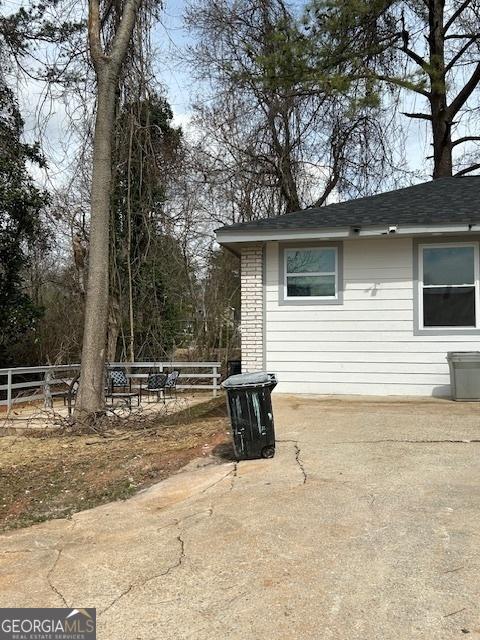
(56, 476)
(214, 408)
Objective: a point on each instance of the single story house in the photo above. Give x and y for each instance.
(365, 296)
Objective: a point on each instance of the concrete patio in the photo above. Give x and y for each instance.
(366, 525)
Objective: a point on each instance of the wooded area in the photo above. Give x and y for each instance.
(291, 107)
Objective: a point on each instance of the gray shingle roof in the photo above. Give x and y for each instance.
(446, 200)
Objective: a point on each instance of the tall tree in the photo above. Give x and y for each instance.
(429, 49)
(274, 143)
(146, 160)
(21, 225)
(110, 29)
(27, 31)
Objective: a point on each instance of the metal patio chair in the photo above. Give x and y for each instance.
(171, 384)
(120, 387)
(61, 388)
(155, 385)
(72, 393)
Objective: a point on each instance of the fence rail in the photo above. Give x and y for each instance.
(198, 375)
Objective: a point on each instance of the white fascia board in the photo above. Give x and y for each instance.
(413, 230)
(438, 228)
(235, 236)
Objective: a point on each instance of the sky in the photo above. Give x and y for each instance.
(171, 37)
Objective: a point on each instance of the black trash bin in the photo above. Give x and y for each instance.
(251, 416)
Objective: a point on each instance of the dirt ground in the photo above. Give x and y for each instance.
(53, 476)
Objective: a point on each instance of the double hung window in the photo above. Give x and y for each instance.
(448, 286)
(311, 273)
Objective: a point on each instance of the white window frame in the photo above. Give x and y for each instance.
(286, 275)
(421, 286)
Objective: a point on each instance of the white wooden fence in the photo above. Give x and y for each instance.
(200, 375)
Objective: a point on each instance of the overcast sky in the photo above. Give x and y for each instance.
(171, 38)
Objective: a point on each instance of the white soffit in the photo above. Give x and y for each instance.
(236, 236)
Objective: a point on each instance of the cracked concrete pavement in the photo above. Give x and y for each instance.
(365, 525)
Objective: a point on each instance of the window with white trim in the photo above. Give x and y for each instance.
(448, 286)
(311, 273)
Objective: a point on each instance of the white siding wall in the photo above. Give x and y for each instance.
(366, 345)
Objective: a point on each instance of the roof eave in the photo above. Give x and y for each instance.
(237, 237)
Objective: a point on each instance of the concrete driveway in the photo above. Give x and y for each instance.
(365, 525)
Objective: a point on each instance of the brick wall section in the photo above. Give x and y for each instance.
(252, 308)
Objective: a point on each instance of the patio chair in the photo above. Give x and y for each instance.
(171, 384)
(155, 385)
(119, 386)
(62, 388)
(54, 395)
(72, 393)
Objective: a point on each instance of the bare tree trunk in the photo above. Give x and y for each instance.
(442, 140)
(283, 152)
(441, 125)
(90, 394)
(90, 399)
(277, 111)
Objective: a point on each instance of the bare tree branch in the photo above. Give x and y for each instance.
(459, 54)
(124, 33)
(94, 38)
(456, 14)
(465, 139)
(465, 93)
(474, 167)
(421, 116)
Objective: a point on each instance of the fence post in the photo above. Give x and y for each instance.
(9, 390)
(47, 393)
(215, 381)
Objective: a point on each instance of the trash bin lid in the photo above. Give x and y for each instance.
(249, 379)
(463, 355)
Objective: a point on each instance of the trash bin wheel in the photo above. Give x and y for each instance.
(268, 452)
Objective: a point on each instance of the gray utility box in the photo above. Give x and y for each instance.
(464, 374)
